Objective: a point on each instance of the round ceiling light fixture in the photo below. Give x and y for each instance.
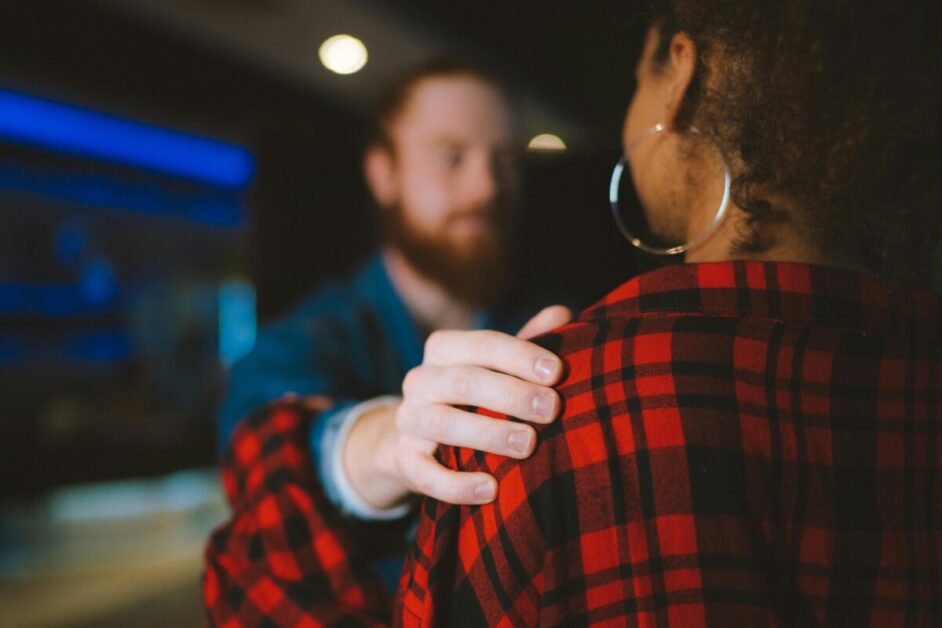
(343, 54)
(547, 142)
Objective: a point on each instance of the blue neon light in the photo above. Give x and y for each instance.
(71, 130)
(103, 192)
(71, 241)
(11, 350)
(24, 299)
(99, 347)
(98, 285)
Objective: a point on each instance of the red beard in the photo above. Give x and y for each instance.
(475, 274)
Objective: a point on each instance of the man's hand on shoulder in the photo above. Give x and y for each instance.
(389, 453)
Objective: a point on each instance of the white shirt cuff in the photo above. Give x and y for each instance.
(350, 501)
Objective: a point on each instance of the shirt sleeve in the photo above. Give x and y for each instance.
(302, 357)
(293, 355)
(286, 558)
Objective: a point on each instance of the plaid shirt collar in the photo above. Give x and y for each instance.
(781, 291)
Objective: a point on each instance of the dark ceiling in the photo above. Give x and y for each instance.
(576, 56)
(86, 54)
(579, 55)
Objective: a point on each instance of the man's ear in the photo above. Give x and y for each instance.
(681, 62)
(380, 174)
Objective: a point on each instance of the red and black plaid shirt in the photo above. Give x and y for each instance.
(741, 444)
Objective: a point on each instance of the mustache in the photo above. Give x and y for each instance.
(492, 213)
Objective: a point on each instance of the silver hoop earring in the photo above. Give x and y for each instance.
(674, 250)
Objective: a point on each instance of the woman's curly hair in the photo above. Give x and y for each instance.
(833, 104)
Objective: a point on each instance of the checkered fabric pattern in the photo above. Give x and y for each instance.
(288, 557)
(742, 444)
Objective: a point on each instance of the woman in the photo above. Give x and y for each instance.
(750, 438)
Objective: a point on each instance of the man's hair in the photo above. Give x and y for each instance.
(395, 96)
(834, 104)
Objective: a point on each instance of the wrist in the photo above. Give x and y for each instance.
(368, 458)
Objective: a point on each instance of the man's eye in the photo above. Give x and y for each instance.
(452, 157)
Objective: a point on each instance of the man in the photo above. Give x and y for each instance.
(441, 166)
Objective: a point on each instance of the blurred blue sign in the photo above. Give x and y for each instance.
(66, 129)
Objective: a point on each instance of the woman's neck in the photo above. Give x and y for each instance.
(786, 244)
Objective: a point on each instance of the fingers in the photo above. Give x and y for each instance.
(547, 319)
(450, 426)
(427, 476)
(496, 351)
(487, 369)
(476, 386)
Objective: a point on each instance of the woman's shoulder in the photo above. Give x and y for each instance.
(616, 349)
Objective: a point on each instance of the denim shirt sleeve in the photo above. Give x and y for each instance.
(303, 357)
(288, 357)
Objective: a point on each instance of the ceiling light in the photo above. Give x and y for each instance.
(343, 54)
(547, 142)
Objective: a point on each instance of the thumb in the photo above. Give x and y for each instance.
(548, 318)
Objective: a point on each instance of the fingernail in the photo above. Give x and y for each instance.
(544, 404)
(546, 368)
(484, 491)
(519, 442)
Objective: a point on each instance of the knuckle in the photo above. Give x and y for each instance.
(489, 335)
(434, 342)
(449, 490)
(489, 340)
(461, 382)
(405, 466)
(402, 417)
(500, 350)
(412, 381)
(493, 438)
(436, 424)
(424, 484)
(464, 491)
(515, 398)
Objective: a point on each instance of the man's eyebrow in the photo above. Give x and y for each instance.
(449, 140)
(462, 143)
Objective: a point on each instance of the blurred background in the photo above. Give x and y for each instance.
(174, 173)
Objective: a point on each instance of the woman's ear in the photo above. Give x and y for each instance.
(379, 169)
(681, 62)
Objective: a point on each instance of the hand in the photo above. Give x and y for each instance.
(487, 369)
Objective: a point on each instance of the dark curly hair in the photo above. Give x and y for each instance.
(833, 104)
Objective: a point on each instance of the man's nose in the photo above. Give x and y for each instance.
(483, 182)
